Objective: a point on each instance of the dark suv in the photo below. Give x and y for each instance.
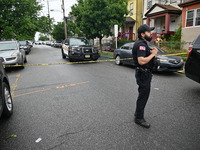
(192, 66)
(79, 49)
(6, 103)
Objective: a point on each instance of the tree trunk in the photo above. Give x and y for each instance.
(100, 39)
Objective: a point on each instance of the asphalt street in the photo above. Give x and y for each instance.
(91, 107)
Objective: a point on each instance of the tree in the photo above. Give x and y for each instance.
(58, 31)
(96, 18)
(43, 38)
(19, 19)
(72, 30)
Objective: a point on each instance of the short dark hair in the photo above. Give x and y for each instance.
(139, 35)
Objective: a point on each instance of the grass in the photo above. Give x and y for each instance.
(108, 54)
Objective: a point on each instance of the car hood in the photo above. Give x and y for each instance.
(7, 53)
(169, 57)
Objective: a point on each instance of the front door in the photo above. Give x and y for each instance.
(130, 33)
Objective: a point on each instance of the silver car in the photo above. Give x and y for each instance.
(12, 54)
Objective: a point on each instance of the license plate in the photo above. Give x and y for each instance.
(87, 56)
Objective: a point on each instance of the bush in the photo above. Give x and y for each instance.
(122, 42)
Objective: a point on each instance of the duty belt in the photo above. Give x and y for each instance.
(143, 69)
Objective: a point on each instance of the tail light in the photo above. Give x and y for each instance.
(189, 51)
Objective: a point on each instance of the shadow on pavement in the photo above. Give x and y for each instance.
(13, 69)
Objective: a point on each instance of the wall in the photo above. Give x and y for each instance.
(184, 13)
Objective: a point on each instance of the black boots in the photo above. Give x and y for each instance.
(142, 122)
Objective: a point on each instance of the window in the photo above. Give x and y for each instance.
(149, 4)
(126, 46)
(198, 18)
(173, 1)
(190, 18)
(131, 9)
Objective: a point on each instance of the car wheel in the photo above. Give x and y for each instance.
(7, 101)
(63, 55)
(22, 67)
(118, 60)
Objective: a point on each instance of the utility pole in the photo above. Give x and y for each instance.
(49, 21)
(64, 19)
(48, 8)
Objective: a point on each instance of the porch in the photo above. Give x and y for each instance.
(165, 19)
(127, 30)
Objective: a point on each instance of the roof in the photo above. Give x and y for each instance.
(167, 9)
(129, 19)
(189, 3)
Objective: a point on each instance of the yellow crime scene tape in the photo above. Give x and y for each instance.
(84, 62)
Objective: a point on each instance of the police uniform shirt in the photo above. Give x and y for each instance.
(141, 49)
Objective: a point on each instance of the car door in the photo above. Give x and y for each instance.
(65, 47)
(1, 75)
(126, 53)
(192, 67)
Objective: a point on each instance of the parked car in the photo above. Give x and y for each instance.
(26, 46)
(167, 63)
(48, 43)
(37, 43)
(79, 49)
(30, 43)
(58, 44)
(192, 66)
(52, 44)
(6, 103)
(12, 54)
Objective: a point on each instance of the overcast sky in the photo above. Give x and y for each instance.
(57, 14)
(55, 5)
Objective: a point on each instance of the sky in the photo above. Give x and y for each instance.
(55, 5)
(57, 12)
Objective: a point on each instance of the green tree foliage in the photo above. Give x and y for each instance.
(58, 31)
(96, 17)
(177, 36)
(72, 30)
(19, 19)
(43, 38)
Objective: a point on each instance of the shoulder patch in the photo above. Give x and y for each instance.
(142, 48)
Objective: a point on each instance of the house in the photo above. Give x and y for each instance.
(190, 19)
(164, 15)
(133, 20)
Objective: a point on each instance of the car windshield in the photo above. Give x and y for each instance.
(22, 43)
(79, 42)
(8, 46)
(159, 49)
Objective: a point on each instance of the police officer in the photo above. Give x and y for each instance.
(143, 57)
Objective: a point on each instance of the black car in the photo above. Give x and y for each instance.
(26, 46)
(192, 66)
(6, 103)
(79, 49)
(167, 63)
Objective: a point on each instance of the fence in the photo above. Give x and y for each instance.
(174, 45)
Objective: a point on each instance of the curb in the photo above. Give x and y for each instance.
(106, 57)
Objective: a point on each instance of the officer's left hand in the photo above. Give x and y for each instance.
(154, 51)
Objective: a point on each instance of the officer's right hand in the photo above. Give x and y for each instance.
(154, 51)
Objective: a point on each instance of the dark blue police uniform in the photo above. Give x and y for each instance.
(143, 75)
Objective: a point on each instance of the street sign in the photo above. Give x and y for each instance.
(116, 30)
(116, 33)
